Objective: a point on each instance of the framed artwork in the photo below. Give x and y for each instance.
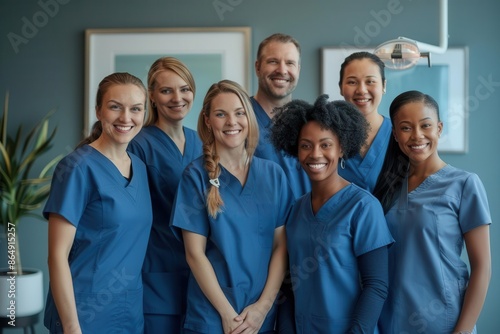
(211, 54)
(446, 81)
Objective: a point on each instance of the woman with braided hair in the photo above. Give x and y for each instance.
(337, 236)
(231, 208)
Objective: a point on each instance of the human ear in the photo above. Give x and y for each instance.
(440, 128)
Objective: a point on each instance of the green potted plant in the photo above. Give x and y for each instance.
(20, 194)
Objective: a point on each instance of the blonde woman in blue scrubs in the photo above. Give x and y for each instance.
(231, 208)
(166, 147)
(432, 208)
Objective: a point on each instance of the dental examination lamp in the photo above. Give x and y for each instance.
(403, 53)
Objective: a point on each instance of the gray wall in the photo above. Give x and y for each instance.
(48, 69)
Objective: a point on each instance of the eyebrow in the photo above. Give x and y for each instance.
(117, 102)
(421, 120)
(322, 139)
(237, 109)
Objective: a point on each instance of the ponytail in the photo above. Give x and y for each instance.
(94, 134)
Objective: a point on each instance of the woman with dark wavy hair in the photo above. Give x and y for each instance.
(337, 232)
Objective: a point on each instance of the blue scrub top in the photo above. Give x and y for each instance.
(239, 240)
(297, 177)
(165, 270)
(364, 171)
(323, 251)
(427, 276)
(113, 217)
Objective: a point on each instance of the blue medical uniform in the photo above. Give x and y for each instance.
(299, 181)
(427, 276)
(239, 241)
(113, 217)
(364, 171)
(165, 271)
(323, 251)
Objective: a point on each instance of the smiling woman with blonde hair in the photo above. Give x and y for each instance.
(231, 208)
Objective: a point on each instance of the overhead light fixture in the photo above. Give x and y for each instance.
(403, 53)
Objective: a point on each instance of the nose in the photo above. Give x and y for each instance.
(416, 133)
(176, 96)
(282, 68)
(361, 88)
(230, 120)
(316, 152)
(126, 115)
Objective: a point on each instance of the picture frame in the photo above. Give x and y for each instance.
(210, 53)
(446, 81)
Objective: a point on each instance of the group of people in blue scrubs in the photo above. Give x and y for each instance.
(276, 216)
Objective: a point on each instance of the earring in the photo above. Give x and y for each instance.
(342, 163)
(153, 104)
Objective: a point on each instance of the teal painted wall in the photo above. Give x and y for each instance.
(46, 70)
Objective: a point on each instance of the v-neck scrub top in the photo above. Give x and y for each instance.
(427, 276)
(239, 241)
(297, 177)
(364, 171)
(113, 217)
(323, 251)
(165, 269)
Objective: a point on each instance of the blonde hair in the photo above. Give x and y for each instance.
(161, 65)
(210, 157)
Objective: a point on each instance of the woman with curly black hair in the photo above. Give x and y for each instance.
(337, 232)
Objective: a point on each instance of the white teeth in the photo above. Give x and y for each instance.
(280, 80)
(363, 100)
(233, 132)
(316, 166)
(123, 128)
(419, 147)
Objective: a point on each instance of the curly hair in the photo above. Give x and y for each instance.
(340, 117)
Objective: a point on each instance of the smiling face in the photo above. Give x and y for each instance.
(172, 96)
(121, 113)
(362, 85)
(417, 130)
(278, 69)
(319, 152)
(228, 121)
